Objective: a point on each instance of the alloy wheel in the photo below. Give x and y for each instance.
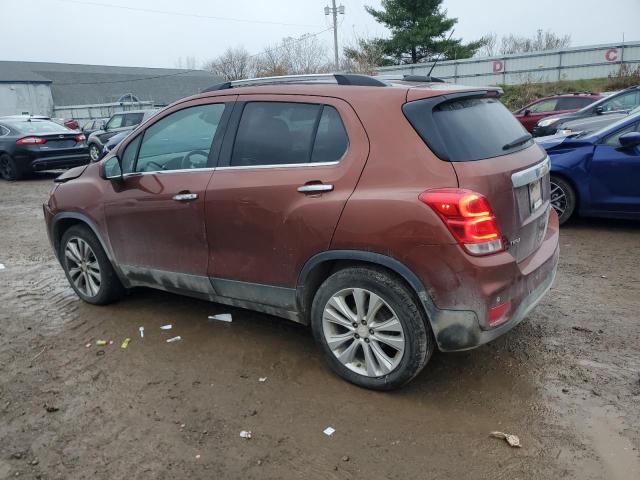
(5, 168)
(83, 266)
(558, 198)
(94, 153)
(363, 332)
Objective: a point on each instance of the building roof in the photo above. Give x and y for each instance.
(76, 84)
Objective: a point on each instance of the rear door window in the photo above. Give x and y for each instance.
(468, 128)
(286, 133)
(573, 103)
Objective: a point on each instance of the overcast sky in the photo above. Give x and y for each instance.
(98, 32)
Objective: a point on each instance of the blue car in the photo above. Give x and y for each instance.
(596, 173)
(114, 142)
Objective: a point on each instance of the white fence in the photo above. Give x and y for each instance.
(83, 113)
(595, 61)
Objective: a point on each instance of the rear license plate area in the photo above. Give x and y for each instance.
(535, 195)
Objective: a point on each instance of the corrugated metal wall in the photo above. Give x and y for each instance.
(22, 97)
(596, 61)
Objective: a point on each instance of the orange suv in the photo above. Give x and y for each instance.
(393, 217)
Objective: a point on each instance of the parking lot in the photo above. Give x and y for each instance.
(566, 381)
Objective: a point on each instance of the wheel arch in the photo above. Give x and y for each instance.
(572, 183)
(319, 267)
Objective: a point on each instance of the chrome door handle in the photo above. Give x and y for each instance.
(315, 188)
(185, 197)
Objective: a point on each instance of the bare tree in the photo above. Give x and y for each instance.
(271, 62)
(364, 55)
(304, 55)
(489, 47)
(188, 62)
(233, 64)
(539, 42)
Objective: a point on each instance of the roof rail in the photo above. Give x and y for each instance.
(411, 78)
(337, 78)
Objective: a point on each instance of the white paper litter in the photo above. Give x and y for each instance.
(223, 317)
(166, 327)
(329, 431)
(174, 339)
(141, 332)
(512, 440)
(2, 267)
(245, 434)
(262, 379)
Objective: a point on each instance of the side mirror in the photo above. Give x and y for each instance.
(599, 110)
(112, 168)
(527, 112)
(630, 139)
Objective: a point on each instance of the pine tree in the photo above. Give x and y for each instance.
(419, 31)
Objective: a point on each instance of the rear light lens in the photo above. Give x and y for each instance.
(469, 218)
(31, 141)
(80, 138)
(498, 314)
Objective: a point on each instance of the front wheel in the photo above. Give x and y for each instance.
(563, 198)
(88, 268)
(371, 328)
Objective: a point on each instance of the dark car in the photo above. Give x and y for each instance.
(529, 115)
(620, 102)
(114, 141)
(597, 173)
(123, 121)
(376, 223)
(591, 124)
(28, 144)
(93, 126)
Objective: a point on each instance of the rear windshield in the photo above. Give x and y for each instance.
(467, 128)
(37, 126)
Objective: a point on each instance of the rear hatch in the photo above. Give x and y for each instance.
(492, 154)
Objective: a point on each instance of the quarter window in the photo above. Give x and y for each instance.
(181, 140)
(280, 133)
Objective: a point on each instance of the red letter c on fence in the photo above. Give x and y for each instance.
(497, 66)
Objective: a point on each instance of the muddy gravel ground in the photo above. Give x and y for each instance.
(566, 381)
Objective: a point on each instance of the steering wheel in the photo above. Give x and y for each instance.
(151, 162)
(188, 163)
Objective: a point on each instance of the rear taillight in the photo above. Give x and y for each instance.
(79, 138)
(31, 141)
(469, 218)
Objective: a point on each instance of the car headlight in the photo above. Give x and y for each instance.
(546, 122)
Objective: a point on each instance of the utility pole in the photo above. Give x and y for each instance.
(335, 11)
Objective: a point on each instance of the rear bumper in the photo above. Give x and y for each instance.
(37, 161)
(528, 282)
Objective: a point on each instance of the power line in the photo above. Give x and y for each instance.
(181, 14)
(183, 72)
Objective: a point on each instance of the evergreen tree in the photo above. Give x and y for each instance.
(419, 31)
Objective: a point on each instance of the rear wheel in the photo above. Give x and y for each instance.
(371, 328)
(9, 168)
(88, 268)
(563, 198)
(94, 152)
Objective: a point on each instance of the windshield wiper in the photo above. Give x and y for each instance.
(517, 141)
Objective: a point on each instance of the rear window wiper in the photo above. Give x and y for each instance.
(517, 141)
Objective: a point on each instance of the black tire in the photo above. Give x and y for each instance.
(94, 152)
(9, 169)
(563, 198)
(110, 288)
(419, 342)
